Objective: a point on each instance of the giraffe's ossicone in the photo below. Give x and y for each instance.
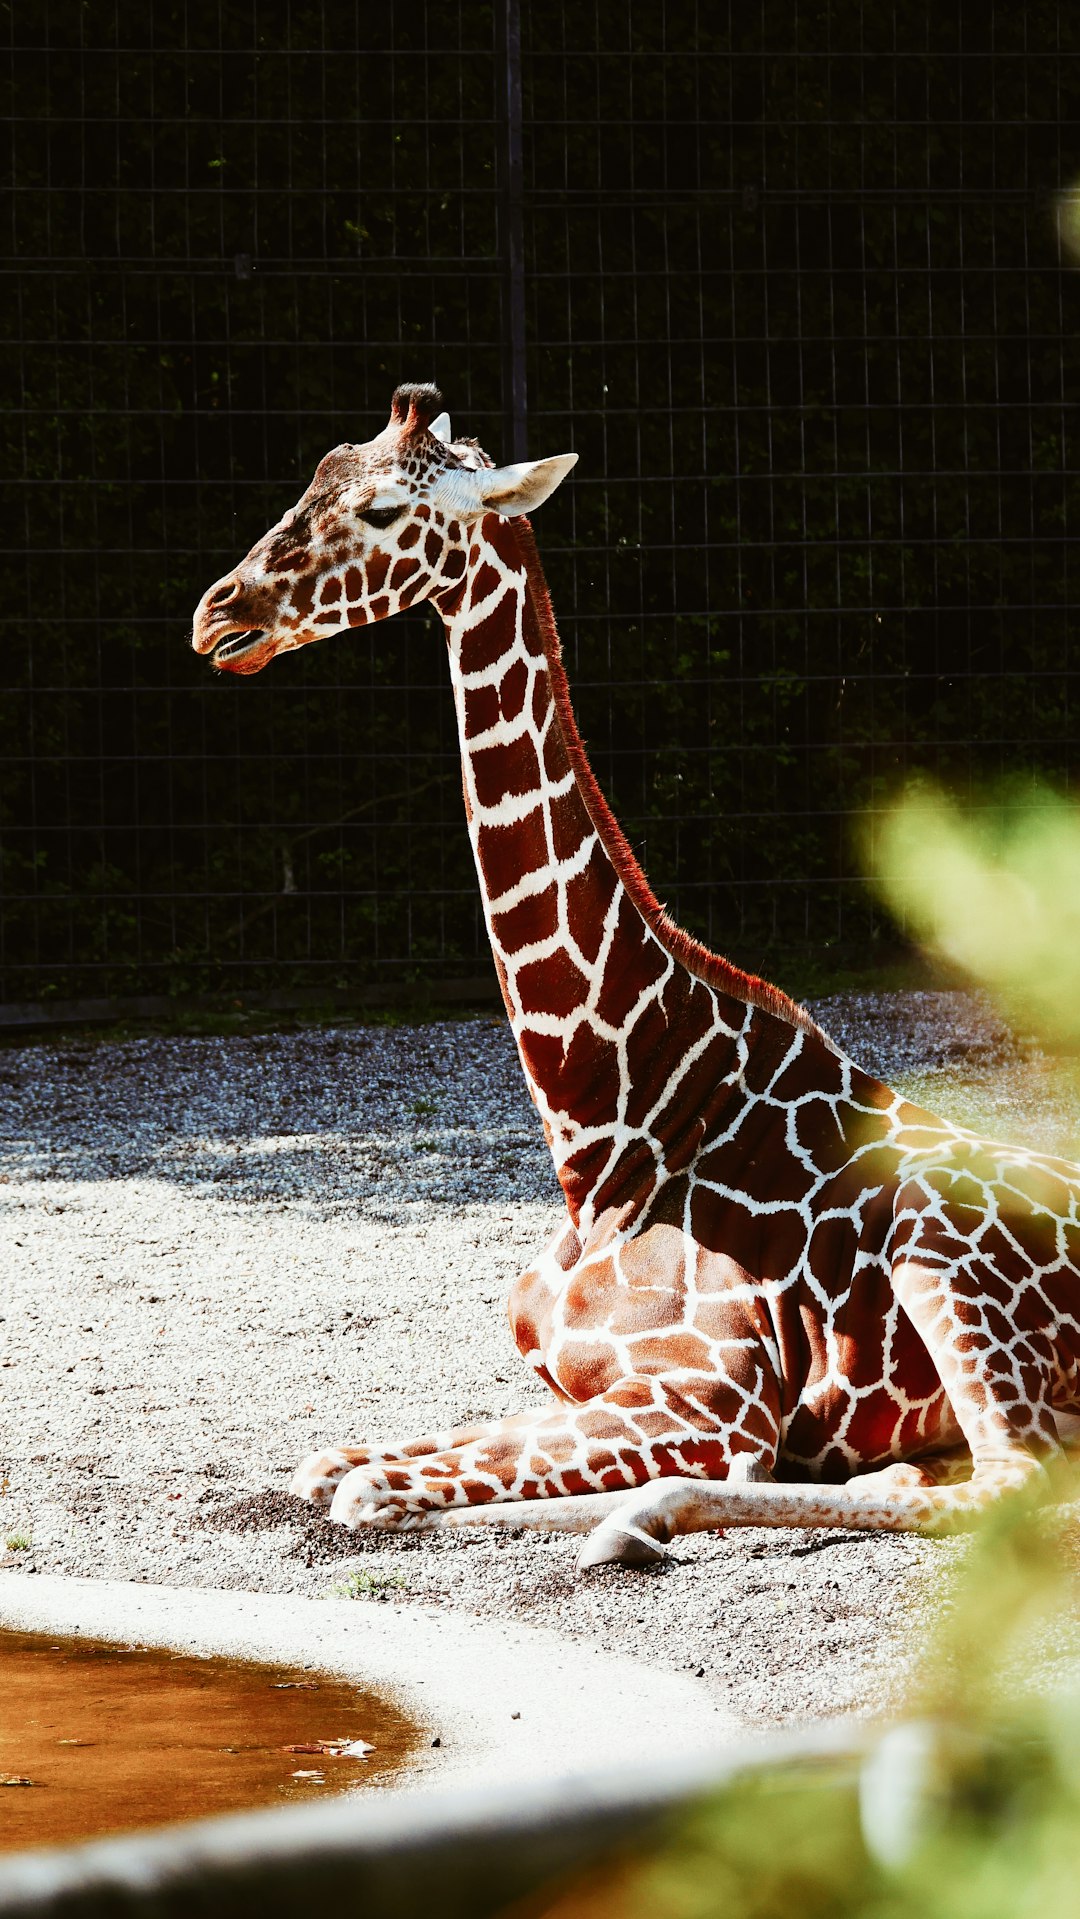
(782, 1295)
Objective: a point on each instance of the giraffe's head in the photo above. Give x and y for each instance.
(380, 527)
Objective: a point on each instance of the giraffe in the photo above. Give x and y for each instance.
(781, 1294)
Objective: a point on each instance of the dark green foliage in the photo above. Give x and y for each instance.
(794, 294)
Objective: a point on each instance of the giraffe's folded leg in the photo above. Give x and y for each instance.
(584, 1457)
(617, 1541)
(560, 1513)
(659, 1511)
(317, 1476)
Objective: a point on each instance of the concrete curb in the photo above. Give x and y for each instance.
(461, 1854)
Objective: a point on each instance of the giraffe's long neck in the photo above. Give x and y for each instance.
(612, 1008)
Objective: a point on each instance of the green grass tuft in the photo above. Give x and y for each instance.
(367, 1585)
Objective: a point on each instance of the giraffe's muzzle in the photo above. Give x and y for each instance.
(236, 626)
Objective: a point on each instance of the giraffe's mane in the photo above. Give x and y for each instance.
(683, 947)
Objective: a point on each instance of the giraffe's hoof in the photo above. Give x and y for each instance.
(612, 1545)
(359, 1501)
(317, 1475)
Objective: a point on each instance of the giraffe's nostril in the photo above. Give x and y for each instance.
(224, 593)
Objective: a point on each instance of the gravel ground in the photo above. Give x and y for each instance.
(219, 1253)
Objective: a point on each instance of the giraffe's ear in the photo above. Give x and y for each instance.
(522, 488)
(441, 428)
(467, 492)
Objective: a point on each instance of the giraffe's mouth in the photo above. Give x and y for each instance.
(239, 647)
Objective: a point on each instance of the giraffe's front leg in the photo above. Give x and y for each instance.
(641, 1429)
(317, 1476)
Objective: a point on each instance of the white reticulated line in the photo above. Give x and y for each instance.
(514, 807)
(793, 1051)
(606, 939)
(690, 1059)
(503, 732)
(541, 877)
(532, 954)
(550, 1025)
(491, 675)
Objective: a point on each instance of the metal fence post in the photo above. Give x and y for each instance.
(511, 225)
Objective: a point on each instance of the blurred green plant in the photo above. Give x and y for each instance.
(994, 887)
(968, 1808)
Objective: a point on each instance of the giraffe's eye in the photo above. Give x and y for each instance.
(379, 515)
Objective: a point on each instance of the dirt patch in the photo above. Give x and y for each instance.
(319, 1539)
(256, 1513)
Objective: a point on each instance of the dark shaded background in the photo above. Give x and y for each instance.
(794, 293)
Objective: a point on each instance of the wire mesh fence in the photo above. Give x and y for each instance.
(787, 276)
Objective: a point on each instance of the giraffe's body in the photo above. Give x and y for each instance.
(772, 1265)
